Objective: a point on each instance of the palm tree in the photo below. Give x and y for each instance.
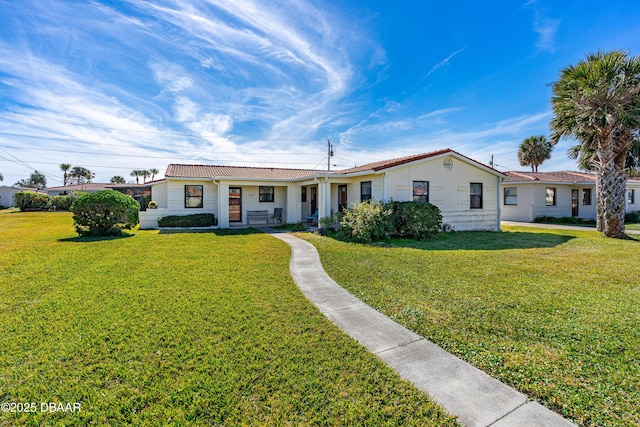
(137, 173)
(597, 102)
(64, 167)
(533, 151)
(1, 177)
(117, 179)
(153, 172)
(145, 174)
(81, 175)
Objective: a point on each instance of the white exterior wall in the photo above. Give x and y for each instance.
(251, 199)
(629, 207)
(159, 194)
(6, 194)
(170, 198)
(532, 202)
(449, 190)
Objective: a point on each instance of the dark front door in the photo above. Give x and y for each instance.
(235, 204)
(342, 194)
(574, 202)
(313, 199)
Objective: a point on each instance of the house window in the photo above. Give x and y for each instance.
(420, 191)
(550, 197)
(476, 195)
(365, 190)
(586, 196)
(304, 194)
(510, 196)
(193, 196)
(631, 197)
(266, 194)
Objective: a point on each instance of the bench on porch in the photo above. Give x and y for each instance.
(258, 215)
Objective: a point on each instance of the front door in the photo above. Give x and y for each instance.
(342, 197)
(235, 204)
(314, 199)
(574, 202)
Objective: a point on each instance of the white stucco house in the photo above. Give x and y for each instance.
(7, 193)
(466, 191)
(528, 195)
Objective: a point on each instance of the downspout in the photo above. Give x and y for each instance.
(384, 187)
(498, 203)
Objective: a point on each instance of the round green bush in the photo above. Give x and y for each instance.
(367, 221)
(30, 200)
(105, 213)
(416, 220)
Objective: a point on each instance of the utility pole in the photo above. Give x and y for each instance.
(329, 154)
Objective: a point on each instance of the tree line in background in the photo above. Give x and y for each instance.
(144, 173)
(79, 175)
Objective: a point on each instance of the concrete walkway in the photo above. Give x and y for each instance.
(464, 391)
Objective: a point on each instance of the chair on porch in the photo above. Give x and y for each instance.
(276, 218)
(311, 219)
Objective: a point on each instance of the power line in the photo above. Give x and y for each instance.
(150, 132)
(53, 138)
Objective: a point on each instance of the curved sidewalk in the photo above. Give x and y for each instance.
(464, 391)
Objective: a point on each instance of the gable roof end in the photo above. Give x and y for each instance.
(387, 164)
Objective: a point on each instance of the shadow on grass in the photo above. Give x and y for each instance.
(478, 240)
(81, 239)
(217, 232)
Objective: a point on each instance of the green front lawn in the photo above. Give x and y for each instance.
(178, 329)
(554, 313)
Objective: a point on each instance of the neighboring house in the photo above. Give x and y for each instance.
(528, 195)
(6, 194)
(466, 191)
(140, 192)
(63, 190)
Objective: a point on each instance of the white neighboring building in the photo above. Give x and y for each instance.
(466, 191)
(6, 194)
(528, 195)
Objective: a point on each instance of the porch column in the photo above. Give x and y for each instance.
(294, 203)
(324, 198)
(223, 204)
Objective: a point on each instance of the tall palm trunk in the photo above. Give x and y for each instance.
(612, 186)
(599, 205)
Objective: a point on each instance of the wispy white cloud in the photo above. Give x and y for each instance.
(546, 29)
(442, 63)
(544, 26)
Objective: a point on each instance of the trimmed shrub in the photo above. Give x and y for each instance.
(568, 220)
(63, 203)
(632, 217)
(186, 221)
(30, 200)
(104, 213)
(367, 221)
(415, 220)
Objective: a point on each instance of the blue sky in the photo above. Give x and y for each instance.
(122, 85)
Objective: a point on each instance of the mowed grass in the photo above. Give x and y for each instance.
(178, 329)
(553, 313)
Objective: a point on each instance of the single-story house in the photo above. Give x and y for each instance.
(63, 190)
(466, 191)
(140, 192)
(7, 193)
(528, 195)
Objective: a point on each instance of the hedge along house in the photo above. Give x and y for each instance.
(529, 195)
(466, 191)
